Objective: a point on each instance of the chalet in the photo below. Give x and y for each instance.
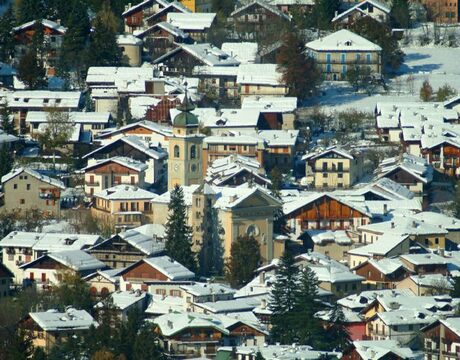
(103, 282)
(236, 170)
(196, 25)
(6, 280)
(158, 268)
(382, 274)
(338, 52)
(94, 122)
(290, 6)
(256, 16)
(125, 302)
(441, 12)
(144, 130)
(333, 244)
(442, 152)
(333, 168)
(135, 16)
(411, 171)
(378, 350)
(20, 102)
(50, 327)
(128, 247)
(122, 207)
(322, 211)
(426, 284)
(136, 148)
(162, 14)
(278, 112)
(261, 80)
(199, 335)
(53, 34)
(448, 223)
(103, 174)
(26, 189)
(220, 80)
(425, 263)
(367, 8)
(441, 339)
(182, 59)
(21, 247)
(49, 269)
(161, 38)
(281, 147)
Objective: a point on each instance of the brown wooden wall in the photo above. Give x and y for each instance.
(145, 271)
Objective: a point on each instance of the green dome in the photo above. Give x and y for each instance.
(186, 117)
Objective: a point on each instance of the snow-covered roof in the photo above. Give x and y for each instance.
(383, 246)
(437, 219)
(403, 225)
(123, 300)
(46, 23)
(267, 104)
(166, 26)
(373, 3)
(171, 324)
(128, 39)
(414, 165)
(379, 349)
(442, 304)
(15, 172)
(432, 280)
(274, 138)
(240, 139)
(75, 117)
(215, 71)
(191, 21)
(148, 125)
(244, 52)
(77, 260)
(332, 149)
(7, 138)
(148, 238)
(361, 300)
(386, 266)
(125, 192)
(322, 237)
(334, 273)
(424, 259)
(259, 74)
(132, 164)
(281, 352)
(263, 4)
(170, 268)
(70, 320)
(124, 79)
(205, 289)
(343, 40)
(138, 7)
(39, 99)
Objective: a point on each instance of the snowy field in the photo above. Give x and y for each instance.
(438, 65)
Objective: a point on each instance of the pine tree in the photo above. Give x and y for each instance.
(308, 327)
(298, 70)
(178, 233)
(145, 344)
(400, 14)
(104, 50)
(211, 252)
(7, 22)
(244, 260)
(337, 333)
(322, 14)
(284, 296)
(6, 162)
(6, 121)
(31, 70)
(28, 10)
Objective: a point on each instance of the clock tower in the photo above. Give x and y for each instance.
(185, 164)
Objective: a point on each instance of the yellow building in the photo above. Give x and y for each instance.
(185, 164)
(343, 50)
(197, 5)
(333, 168)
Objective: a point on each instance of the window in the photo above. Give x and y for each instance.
(22, 201)
(344, 69)
(176, 151)
(328, 58)
(15, 186)
(368, 58)
(340, 176)
(28, 186)
(340, 166)
(358, 57)
(328, 68)
(343, 58)
(192, 152)
(370, 8)
(436, 241)
(324, 166)
(193, 167)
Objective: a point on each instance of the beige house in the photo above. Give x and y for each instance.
(122, 206)
(333, 244)
(103, 174)
(260, 79)
(335, 54)
(26, 189)
(333, 168)
(131, 48)
(185, 165)
(427, 284)
(241, 211)
(103, 282)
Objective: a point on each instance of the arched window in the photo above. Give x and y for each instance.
(176, 151)
(192, 152)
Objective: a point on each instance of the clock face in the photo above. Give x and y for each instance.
(176, 167)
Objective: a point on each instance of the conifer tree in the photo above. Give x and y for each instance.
(400, 14)
(6, 121)
(178, 233)
(337, 334)
(211, 252)
(308, 327)
(7, 22)
(31, 70)
(284, 297)
(244, 260)
(6, 162)
(28, 10)
(322, 14)
(298, 70)
(104, 50)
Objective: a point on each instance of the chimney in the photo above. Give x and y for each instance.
(385, 209)
(262, 278)
(263, 304)
(414, 224)
(392, 225)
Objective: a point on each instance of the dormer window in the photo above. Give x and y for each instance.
(348, 43)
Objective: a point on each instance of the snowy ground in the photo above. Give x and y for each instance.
(438, 65)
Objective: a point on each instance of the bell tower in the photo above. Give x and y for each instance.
(185, 164)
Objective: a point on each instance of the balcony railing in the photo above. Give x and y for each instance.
(92, 183)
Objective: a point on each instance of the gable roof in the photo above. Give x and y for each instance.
(343, 40)
(358, 8)
(259, 74)
(121, 160)
(263, 4)
(146, 124)
(13, 173)
(169, 267)
(191, 21)
(383, 246)
(77, 260)
(46, 23)
(139, 7)
(71, 319)
(125, 192)
(332, 149)
(166, 26)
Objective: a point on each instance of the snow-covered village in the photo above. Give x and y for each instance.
(229, 179)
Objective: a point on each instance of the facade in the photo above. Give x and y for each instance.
(367, 8)
(122, 207)
(441, 339)
(335, 54)
(260, 80)
(115, 171)
(382, 274)
(25, 189)
(185, 165)
(442, 12)
(333, 168)
(131, 47)
(197, 6)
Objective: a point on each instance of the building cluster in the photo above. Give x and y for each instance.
(375, 243)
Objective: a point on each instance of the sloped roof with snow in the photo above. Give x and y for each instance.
(46, 23)
(191, 21)
(343, 40)
(71, 319)
(170, 268)
(259, 74)
(49, 180)
(125, 192)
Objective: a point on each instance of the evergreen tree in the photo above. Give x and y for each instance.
(322, 14)
(455, 293)
(284, 297)
(6, 119)
(28, 10)
(6, 162)
(31, 70)
(308, 327)
(223, 7)
(72, 290)
(178, 233)
(298, 70)
(7, 22)
(337, 333)
(104, 50)
(145, 344)
(259, 356)
(244, 260)
(211, 252)
(400, 14)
